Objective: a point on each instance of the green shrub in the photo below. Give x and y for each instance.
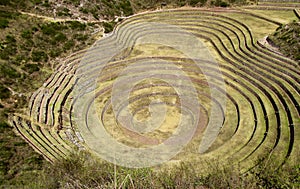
(48, 30)
(126, 7)
(30, 68)
(55, 52)
(219, 3)
(4, 54)
(75, 25)
(194, 2)
(37, 1)
(64, 12)
(80, 37)
(287, 39)
(8, 14)
(4, 93)
(60, 37)
(29, 43)
(38, 56)
(26, 34)
(109, 26)
(3, 23)
(52, 28)
(68, 45)
(3, 124)
(269, 176)
(8, 72)
(223, 4)
(20, 58)
(46, 4)
(10, 39)
(5, 2)
(84, 10)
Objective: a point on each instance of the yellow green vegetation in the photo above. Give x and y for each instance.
(257, 143)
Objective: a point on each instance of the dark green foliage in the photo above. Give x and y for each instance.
(223, 4)
(75, 25)
(60, 37)
(69, 45)
(48, 30)
(4, 93)
(287, 39)
(64, 12)
(52, 28)
(269, 175)
(7, 52)
(46, 4)
(80, 37)
(37, 1)
(25, 40)
(38, 56)
(126, 7)
(8, 14)
(30, 68)
(239, 2)
(19, 165)
(10, 39)
(194, 2)
(26, 34)
(5, 2)
(219, 3)
(84, 10)
(55, 53)
(3, 23)
(8, 47)
(8, 72)
(109, 26)
(73, 2)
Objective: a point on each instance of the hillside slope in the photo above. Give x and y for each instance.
(287, 38)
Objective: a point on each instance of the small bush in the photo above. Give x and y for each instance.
(81, 169)
(126, 7)
(84, 10)
(60, 37)
(52, 28)
(68, 45)
(55, 53)
(80, 37)
(75, 25)
(8, 72)
(26, 34)
(46, 4)
(38, 56)
(4, 2)
(4, 94)
(3, 23)
(109, 26)
(64, 12)
(30, 68)
(4, 54)
(10, 39)
(48, 30)
(223, 4)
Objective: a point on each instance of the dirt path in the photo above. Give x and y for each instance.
(53, 19)
(269, 46)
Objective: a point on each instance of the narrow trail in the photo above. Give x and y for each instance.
(55, 19)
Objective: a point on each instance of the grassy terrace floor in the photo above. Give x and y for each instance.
(260, 117)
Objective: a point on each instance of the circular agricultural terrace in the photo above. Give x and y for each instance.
(169, 86)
